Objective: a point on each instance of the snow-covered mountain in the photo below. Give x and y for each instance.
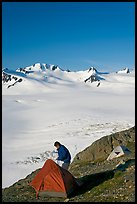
(52, 74)
(48, 73)
(125, 70)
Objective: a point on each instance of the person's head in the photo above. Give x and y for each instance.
(57, 144)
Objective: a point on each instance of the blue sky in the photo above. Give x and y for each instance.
(73, 35)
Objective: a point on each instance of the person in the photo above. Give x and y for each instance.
(63, 155)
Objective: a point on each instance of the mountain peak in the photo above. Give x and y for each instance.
(92, 69)
(125, 70)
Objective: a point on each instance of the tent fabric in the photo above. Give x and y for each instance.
(53, 180)
(118, 151)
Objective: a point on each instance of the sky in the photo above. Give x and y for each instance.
(72, 35)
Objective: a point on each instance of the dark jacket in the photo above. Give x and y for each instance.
(64, 154)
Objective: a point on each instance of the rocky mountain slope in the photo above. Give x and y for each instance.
(103, 181)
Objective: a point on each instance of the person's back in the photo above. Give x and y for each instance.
(64, 154)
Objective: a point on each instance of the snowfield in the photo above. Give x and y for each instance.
(51, 104)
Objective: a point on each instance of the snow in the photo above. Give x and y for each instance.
(125, 70)
(49, 106)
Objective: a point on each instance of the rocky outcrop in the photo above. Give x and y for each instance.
(100, 149)
(6, 78)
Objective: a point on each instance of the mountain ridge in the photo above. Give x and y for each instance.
(53, 73)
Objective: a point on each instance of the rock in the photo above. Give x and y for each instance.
(66, 200)
(100, 149)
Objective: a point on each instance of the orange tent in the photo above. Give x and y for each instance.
(52, 180)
